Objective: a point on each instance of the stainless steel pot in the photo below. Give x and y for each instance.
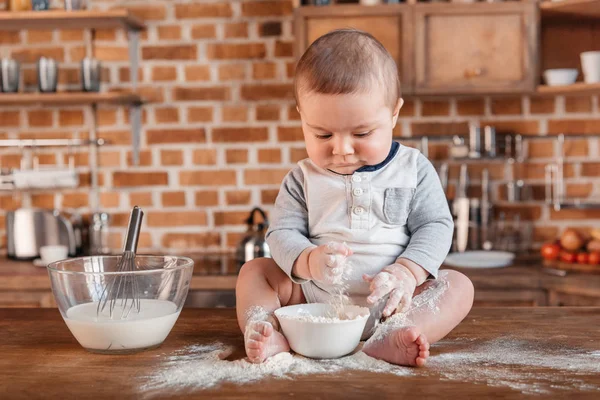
(28, 229)
(254, 245)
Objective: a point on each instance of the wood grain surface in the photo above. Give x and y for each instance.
(40, 359)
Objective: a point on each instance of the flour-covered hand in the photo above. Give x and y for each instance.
(398, 281)
(326, 262)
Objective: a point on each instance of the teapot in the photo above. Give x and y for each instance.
(254, 245)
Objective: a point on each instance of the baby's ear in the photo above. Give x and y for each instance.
(399, 105)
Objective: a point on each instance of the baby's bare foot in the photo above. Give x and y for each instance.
(404, 346)
(262, 341)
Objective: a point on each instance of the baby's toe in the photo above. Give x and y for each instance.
(424, 354)
(253, 344)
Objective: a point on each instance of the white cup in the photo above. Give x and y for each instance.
(590, 64)
(52, 253)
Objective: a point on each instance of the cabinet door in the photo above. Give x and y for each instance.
(476, 48)
(391, 24)
(558, 298)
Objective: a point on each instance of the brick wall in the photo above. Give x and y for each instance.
(222, 130)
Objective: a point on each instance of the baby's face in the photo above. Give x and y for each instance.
(347, 131)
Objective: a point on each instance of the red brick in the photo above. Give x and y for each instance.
(284, 49)
(267, 112)
(39, 36)
(75, 200)
(108, 159)
(576, 104)
(264, 70)
(160, 136)
(579, 190)
(40, 118)
(115, 138)
(507, 106)
(194, 10)
(207, 178)
(9, 118)
(438, 151)
(298, 154)
(205, 156)
(575, 214)
(435, 108)
(540, 148)
(164, 73)
(267, 8)
(207, 198)
(541, 105)
(236, 30)
(269, 28)
(289, 134)
(264, 176)
(173, 199)
(576, 147)
(233, 51)
(148, 12)
(173, 52)
(200, 114)
(105, 53)
(186, 241)
(234, 135)
(205, 31)
(43, 201)
(10, 37)
(269, 156)
(142, 199)
(236, 156)
(232, 72)
(234, 114)
(144, 160)
(129, 179)
(574, 126)
(166, 115)
(169, 32)
(70, 117)
(110, 199)
(232, 239)
(268, 196)
(518, 126)
(268, 92)
(171, 157)
(197, 73)
(544, 233)
(31, 55)
(106, 117)
(590, 169)
(109, 34)
(230, 218)
(172, 218)
(238, 197)
(290, 69)
(218, 93)
(439, 128)
(125, 74)
(294, 115)
(470, 106)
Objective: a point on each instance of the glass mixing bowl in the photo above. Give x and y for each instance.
(112, 312)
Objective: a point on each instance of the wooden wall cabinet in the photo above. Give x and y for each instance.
(476, 48)
(391, 24)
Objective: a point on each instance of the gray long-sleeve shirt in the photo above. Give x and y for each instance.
(396, 209)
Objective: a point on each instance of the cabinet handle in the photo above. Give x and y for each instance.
(473, 72)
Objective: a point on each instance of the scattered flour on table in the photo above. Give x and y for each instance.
(520, 365)
(202, 366)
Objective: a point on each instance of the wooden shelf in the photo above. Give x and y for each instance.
(69, 98)
(576, 88)
(60, 19)
(571, 8)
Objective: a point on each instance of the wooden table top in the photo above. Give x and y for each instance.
(508, 353)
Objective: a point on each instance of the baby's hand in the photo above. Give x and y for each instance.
(326, 262)
(396, 280)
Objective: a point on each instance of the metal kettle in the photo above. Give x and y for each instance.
(254, 245)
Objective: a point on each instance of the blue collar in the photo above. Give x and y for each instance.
(391, 154)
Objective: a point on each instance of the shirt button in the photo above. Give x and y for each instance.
(356, 178)
(357, 192)
(359, 210)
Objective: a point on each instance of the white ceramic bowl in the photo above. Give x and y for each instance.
(327, 338)
(560, 76)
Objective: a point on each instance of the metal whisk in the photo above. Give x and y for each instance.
(124, 287)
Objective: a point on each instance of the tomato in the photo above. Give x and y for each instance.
(594, 258)
(550, 251)
(568, 257)
(583, 258)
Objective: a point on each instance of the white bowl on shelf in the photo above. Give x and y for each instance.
(325, 337)
(560, 76)
(480, 259)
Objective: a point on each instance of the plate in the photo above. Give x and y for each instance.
(480, 259)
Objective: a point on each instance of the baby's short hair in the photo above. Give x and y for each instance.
(347, 61)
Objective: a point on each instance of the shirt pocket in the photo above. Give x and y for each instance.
(396, 205)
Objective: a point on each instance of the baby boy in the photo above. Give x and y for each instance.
(361, 207)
